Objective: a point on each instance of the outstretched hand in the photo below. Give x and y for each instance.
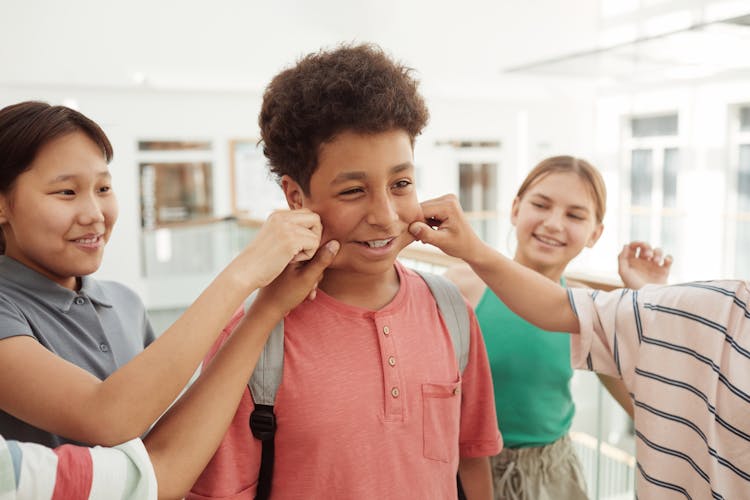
(445, 226)
(640, 265)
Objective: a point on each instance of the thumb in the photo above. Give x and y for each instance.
(422, 232)
(323, 257)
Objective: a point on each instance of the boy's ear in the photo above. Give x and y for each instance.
(293, 192)
(514, 210)
(595, 235)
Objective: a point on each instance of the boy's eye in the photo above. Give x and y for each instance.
(576, 217)
(66, 192)
(105, 189)
(351, 191)
(403, 183)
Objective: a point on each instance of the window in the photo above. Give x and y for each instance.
(175, 181)
(653, 155)
(175, 192)
(740, 178)
(478, 196)
(478, 162)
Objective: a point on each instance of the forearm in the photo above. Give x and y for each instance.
(185, 439)
(617, 389)
(143, 388)
(526, 292)
(476, 478)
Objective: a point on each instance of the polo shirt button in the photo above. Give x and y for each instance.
(80, 301)
(392, 361)
(395, 392)
(104, 347)
(386, 330)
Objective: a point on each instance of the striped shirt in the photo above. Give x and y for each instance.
(683, 352)
(31, 471)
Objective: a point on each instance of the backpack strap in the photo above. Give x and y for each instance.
(263, 384)
(452, 307)
(266, 378)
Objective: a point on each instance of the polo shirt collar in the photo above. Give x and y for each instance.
(49, 291)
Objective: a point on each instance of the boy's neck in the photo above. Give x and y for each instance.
(368, 291)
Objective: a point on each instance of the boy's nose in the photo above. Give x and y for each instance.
(382, 211)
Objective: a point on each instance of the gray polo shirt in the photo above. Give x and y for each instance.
(99, 328)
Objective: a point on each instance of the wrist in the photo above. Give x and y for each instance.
(483, 256)
(267, 309)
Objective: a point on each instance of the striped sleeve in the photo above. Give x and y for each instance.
(683, 351)
(31, 471)
(609, 331)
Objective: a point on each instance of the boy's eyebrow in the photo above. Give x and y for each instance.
(66, 177)
(358, 175)
(574, 207)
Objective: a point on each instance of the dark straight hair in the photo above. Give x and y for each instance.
(28, 126)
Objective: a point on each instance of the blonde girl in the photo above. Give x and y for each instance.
(557, 212)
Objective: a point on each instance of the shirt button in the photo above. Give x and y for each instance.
(80, 301)
(395, 392)
(456, 391)
(104, 347)
(392, 361)
(386, 330)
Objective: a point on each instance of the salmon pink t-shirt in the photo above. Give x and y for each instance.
(370, 406)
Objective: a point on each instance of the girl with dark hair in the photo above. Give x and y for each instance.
(72, 362)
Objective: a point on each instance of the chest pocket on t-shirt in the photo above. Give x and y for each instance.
(441, 415)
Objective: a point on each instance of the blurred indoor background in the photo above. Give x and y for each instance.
(655, 93)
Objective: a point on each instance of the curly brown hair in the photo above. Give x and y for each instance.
(354, 88)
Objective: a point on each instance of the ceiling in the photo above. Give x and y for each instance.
(240, 44)
(473, 47)
(702, 50)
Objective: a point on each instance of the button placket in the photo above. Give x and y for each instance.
(393, 387)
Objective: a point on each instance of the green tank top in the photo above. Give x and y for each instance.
(531, 373)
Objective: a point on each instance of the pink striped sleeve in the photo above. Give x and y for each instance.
(74, 473)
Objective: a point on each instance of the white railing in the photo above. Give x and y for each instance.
(607, 469)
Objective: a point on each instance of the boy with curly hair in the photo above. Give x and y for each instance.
(371, 403)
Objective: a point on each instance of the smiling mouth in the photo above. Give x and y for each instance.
(549, 241)
(89, 240)
(376, 243)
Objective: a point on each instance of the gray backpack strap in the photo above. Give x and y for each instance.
(453, 309)
(266, 377)
(264, 384)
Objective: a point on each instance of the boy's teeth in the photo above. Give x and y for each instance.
(377, 243)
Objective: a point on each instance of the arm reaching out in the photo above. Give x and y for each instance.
(640, 265)
(179, 450)
(50, 393)
(525, 292)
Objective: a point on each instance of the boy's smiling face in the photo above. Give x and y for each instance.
(363, 190)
